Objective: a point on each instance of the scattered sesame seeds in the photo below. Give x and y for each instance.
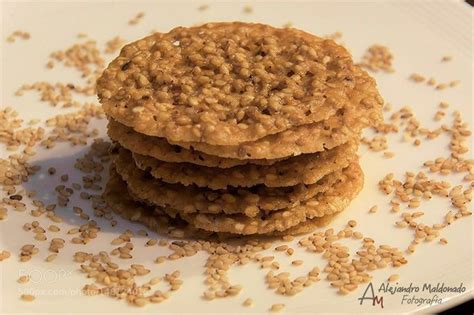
(393, 278)
(378, 58)
(418, 78)
(18, 34)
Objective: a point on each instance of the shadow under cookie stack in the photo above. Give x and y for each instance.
(235, 129)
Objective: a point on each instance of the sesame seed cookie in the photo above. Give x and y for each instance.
(161, 149)
(227, 83)
(306, 169)
(122, 203)
(336, 199)
(117, 197)
(347, 123)
(303, 139)
(192, 199)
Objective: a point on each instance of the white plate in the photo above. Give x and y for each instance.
(418, 32)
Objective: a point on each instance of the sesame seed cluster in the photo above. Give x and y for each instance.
(227, 83)
(235, 129)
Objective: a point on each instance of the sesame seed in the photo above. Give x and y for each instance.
(160, 259)
(248, 302)
(141, 301)
(203, 7)
(352, 223)
(446, 58)
(27, 297)
(23, 279)
(378, 58)
(51, 257)
(277, 307)
(297, 262)
(248, 9)
(151, 242)
(281, 248)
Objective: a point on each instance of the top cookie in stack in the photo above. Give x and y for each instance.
(237, 128)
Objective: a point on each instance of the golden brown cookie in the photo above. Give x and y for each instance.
(330, 202)
(346, 124)
(306, 169)
(162, 150)
(119, 199)
(229, 83)
(192, 199)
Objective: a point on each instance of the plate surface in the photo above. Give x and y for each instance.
(418, 33)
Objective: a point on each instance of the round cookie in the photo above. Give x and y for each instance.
(306, 169)
(162, 150)
(122, 203)
(363, 111)
(227, 83)
(330, 202)
(303, 139)
(192, 199)
(117, 197)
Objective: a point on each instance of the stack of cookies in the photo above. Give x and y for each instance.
(235, 129)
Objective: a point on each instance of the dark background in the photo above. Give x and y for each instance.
(465, 308)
